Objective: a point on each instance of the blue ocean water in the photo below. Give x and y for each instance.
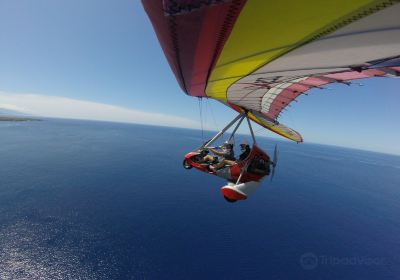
(93, 200)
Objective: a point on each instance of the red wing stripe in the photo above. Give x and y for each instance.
(193, 40)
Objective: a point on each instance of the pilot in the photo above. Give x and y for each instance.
(227, 156)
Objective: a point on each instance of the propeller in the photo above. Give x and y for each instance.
(274, 162)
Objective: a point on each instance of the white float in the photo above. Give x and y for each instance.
(233, 192)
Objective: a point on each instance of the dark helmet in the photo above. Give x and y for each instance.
(244, 145)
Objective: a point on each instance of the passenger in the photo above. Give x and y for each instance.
(245, 149)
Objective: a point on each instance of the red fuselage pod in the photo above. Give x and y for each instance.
(255, 167)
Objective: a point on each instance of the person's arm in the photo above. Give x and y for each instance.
(217, 152)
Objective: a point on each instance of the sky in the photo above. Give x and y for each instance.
(100, 60)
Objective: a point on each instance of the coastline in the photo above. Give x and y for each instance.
(17, 119)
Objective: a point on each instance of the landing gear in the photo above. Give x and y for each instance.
(186, 164)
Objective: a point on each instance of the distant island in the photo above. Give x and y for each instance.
(17, 119)
(7, 115)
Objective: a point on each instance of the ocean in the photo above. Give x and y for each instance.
(97, 200)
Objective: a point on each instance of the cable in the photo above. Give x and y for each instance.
(212, 114)
(201, 117)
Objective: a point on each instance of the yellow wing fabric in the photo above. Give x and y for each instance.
(267, 29)
(260, 55)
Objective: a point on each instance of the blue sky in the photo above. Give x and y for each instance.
(106, 52)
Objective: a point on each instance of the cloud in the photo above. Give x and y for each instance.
(11, 107)
(62, 107)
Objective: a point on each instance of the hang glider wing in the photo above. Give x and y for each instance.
(260, 55)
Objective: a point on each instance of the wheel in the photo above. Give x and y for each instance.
(230, 200)
(186, 164)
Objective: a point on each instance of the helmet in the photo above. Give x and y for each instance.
(227, 145)
(244, 145)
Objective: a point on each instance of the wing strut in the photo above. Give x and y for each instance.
(251, 130)
(234, 131)
(240, 117)
(254, 142)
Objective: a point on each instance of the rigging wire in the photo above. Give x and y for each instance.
(212, 113)
(201, 117)
(262, 131)
(208, 104)
(258, 130)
